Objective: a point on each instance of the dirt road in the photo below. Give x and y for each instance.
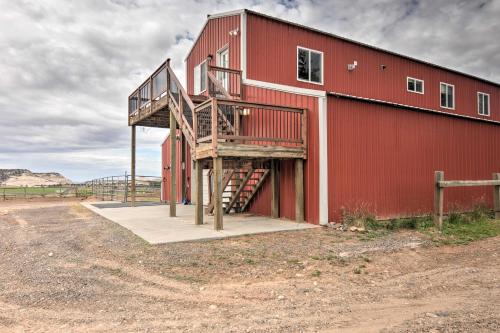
(65, 269)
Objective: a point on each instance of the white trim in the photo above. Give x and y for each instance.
(285, 88)
(323, 159)
(197, 90)
(224, 14)
(219, 51)
(415, 91)
(453, 96)
(297, 65)
(243, 45)
(489, 103)
(411, 107)
(210, 17)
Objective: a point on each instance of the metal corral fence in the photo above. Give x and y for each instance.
(118, 188)
(49, 191)
(112, 188)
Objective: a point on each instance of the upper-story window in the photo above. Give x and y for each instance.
(415, 85)
(447, 95)
(200, 78)
(309, 65)
(483, 104)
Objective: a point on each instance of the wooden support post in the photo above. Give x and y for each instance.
(438, 199)
(183, 168)
(198, 215)
(173, 165)
(496, 196)
(275, 190)
(299, 190)
(217, 197)
(132, 168)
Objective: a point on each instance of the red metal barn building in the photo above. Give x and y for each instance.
(377, 124)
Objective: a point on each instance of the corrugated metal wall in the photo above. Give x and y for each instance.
(215, 36)
(272, 57)
(262, 204)
(165, 155)
(383, 158)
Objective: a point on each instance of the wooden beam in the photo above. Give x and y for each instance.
(183, 168)
(275, 189)
(132, 166)
(496, 196)
(460, 183)
(173, 165)
(438, 199)
(217, 198)
(198, 214)
(299, 190)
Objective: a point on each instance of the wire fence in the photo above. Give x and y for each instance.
(112, 188)
(119, 188)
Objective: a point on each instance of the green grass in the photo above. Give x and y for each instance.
(458, 228)
(52, 191)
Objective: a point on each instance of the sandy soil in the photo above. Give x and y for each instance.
(66, 269)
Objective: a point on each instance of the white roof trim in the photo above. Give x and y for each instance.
(210, 17)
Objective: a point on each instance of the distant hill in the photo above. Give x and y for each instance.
(24, 177)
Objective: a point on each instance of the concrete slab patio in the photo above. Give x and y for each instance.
(152, 223)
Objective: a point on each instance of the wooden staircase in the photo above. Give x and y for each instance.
(240, 187)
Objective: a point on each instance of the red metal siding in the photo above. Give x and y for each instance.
(165, 156)
(262, 204)
(383, 158)
(215, 36)
(272, 49)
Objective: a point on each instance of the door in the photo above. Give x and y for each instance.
(223, 61)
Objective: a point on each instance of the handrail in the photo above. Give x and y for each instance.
(259, 105)
(179, 86)
(218, 85)
(224, 69)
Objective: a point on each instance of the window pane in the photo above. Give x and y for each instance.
(418, 86)
(411, 85)
(316, 67)
(450, 97)
(303, 64)
(486, 105)
(203, 76)
(480, 103)
(443, 95)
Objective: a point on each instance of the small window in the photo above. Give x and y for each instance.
(309, 65)
(415, 85)
(483, 104)
(200, 78)
(447, 95)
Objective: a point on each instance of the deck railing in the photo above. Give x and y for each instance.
(250, 123)
(224, 82)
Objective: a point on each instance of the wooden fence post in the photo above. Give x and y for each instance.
(438, 199)
(496, 196)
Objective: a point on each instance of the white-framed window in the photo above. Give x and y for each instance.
(483, 104)
(309, 65)
(200, 78)
(414, 85)
(447, 94)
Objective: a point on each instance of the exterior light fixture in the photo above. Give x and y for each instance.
(244, 112)
(351, 67)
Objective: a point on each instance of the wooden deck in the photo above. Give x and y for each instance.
(247, 151)
(226, 134)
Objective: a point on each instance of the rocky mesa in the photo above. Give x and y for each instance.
(24, 177)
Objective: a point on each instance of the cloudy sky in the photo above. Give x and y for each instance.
(67, 67)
